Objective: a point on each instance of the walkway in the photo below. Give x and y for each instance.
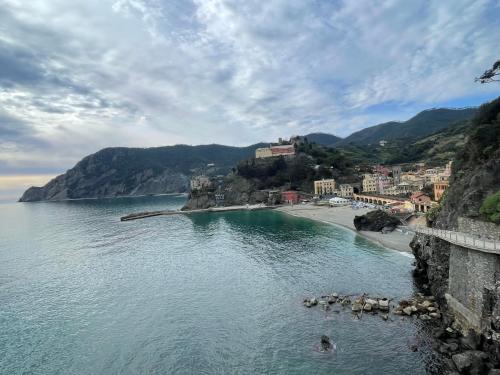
(462, 239)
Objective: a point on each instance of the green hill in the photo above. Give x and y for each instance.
(421, 125)
(323, 139)
(122, 171)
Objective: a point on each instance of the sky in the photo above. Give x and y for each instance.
(77, 76)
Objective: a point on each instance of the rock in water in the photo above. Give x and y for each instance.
(383, 304)
(376, 221)
(356, 307)
(326, 344)
(408, 310)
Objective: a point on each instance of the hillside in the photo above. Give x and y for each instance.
(323, 139)
(421, 125)
(121, 171)
(476, 170)
(434, 149)
(252, 178)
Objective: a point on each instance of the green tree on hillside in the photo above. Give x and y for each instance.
(491, 207)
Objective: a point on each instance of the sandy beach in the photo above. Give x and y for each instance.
(344, 217)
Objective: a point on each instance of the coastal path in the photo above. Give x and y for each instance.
(462, 239)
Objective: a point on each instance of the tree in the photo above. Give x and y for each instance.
(491, 207)
(490, 74)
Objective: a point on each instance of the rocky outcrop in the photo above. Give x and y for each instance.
(77, 184)
(376, 221)
(431, 265)
(121, 171)
(235, 191)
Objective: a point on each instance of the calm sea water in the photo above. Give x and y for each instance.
(83, 293)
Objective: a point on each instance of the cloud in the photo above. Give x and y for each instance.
(82, 75)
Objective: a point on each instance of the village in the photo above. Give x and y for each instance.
(410, 188)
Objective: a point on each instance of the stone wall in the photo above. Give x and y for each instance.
(479, 228)
(474, 279)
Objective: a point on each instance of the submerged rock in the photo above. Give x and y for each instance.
(326, 344)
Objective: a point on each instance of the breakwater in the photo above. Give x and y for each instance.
(146, 214)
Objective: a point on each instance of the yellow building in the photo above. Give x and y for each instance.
(439, 189)
(370, 183)
(324, 187)
(264, 152)
(346, 191)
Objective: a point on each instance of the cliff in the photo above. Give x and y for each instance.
(475, 176)
(465, 281)
(121, 171)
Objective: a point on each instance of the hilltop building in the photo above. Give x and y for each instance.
(280, 150)
(324, 187)
(264, 152)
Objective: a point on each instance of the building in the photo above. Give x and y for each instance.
(370, 183)
(439, 189)
(281, 150)
(381, 170)
(421, 202)
(200, 182)
(383, 184)
(396, 174)
(290, 197)
(403, 205)
(346, 191)
(382, 143)
(324, 187)
(337, 201)
(264, 152)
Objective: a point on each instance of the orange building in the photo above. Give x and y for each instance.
(439, 189)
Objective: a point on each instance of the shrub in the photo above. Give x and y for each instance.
(491, 207)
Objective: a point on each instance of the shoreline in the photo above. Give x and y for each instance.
(343, 217)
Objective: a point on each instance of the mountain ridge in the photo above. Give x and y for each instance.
(124, 171)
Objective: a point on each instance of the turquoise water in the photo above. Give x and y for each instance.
(83, 293)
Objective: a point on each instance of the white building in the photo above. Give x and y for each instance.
(200, 182)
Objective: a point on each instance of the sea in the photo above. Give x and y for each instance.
(208, 293)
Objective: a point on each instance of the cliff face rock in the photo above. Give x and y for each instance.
(476, 171)
(236, 191)
(78, 184)
(124, 171)
(432, 264)
(476, 174)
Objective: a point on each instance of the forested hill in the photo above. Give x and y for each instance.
(323, 139)
(123, 171)
(421, 125)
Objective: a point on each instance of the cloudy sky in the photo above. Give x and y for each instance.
(80, 75)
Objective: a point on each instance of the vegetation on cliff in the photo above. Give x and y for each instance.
(476, 169)
(122, 171)
(491, 208)
(312, 162)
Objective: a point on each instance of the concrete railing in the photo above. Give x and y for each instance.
(462, 239)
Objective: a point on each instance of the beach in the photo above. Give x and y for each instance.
(344, 217)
